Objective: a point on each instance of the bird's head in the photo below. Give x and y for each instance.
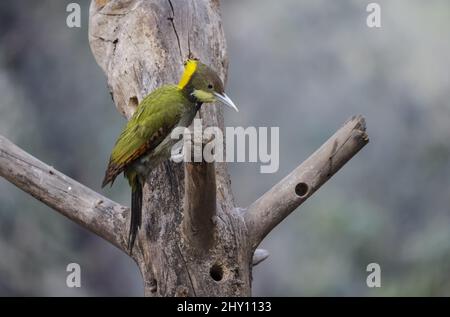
(203, 84)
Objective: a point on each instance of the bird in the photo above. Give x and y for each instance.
(146, 141)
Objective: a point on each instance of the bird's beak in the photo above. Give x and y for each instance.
(226, 100)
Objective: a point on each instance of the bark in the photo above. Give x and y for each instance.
(141, 45)
(75, 201)
(193, 240)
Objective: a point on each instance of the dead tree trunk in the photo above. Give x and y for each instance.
(141, 45)
(193, 240)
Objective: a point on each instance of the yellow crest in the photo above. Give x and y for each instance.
(189, 70)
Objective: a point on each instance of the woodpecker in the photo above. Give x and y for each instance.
(146, 141)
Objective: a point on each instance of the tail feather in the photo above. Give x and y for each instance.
(136, 213)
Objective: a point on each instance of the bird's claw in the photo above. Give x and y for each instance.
(177, 154)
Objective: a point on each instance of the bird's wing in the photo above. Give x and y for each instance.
(157, 115)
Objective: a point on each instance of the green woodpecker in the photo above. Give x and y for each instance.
(145, 141)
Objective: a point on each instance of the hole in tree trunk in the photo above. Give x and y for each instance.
(216, 272)
(133, 103)
(154, 286)
(301, 189)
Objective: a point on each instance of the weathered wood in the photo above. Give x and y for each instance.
(283, 198)
(199, 222)
(141, 45)
(75, 201)
(259, 256)
(194, 241)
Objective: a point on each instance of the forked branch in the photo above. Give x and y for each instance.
(93, 211)
(283, 198)
(138, 46)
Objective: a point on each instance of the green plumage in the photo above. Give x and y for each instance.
(145, 141)
(156, 116)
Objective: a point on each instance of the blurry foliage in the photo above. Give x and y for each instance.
(305, 66)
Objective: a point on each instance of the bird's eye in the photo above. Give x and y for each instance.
(210, 86)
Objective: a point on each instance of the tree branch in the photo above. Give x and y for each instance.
(283, 198)
(70, 198)
(259, 256)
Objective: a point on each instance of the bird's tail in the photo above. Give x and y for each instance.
(136, 210)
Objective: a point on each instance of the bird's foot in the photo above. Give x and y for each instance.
(177, 154)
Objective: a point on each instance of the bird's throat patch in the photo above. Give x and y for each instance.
(189, 70)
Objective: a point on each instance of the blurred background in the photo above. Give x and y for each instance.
(305, 66)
